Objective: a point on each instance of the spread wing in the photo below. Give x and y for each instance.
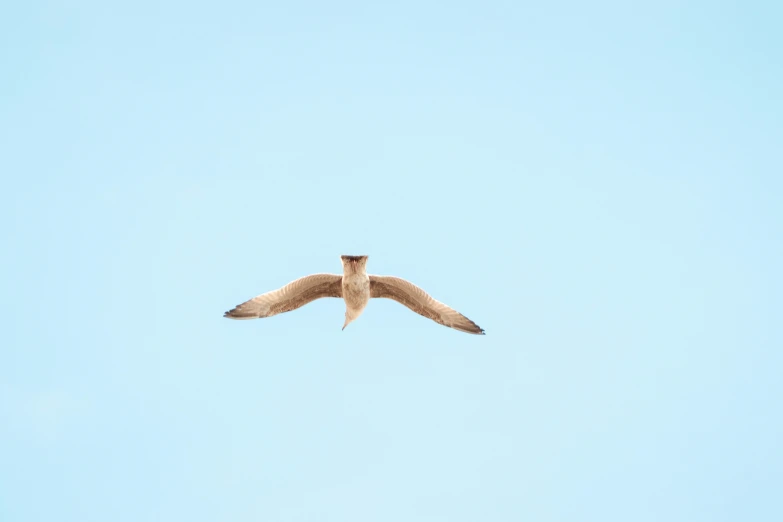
(292, 296)
(421, 302)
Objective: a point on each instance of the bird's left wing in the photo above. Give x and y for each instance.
(290, 297)
(410, 295)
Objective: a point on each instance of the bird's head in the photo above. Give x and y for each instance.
(354, 264)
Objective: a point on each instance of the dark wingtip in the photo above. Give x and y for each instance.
(232, 314)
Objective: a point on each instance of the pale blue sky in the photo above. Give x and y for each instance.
(597, 185)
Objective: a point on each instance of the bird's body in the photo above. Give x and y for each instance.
(356, 288)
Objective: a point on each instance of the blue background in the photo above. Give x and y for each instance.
(597, 185)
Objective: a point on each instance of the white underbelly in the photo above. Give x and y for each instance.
(356, 291)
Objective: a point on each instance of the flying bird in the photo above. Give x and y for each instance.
(356, 288)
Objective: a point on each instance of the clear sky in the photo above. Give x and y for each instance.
(598, 185)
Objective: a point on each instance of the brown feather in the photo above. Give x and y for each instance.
(290, 297)
(421, 302)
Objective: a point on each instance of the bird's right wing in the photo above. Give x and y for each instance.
(421, 302)
(292, 296)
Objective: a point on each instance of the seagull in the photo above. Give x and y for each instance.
(356, 288)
